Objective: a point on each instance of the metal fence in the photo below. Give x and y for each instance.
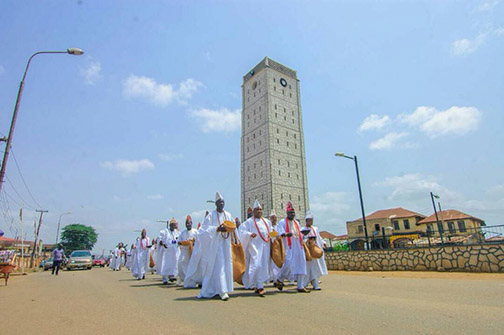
(431, 238)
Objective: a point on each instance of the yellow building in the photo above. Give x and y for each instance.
(452, 224)
(382, 225)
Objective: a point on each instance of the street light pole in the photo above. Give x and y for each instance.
(59, 221)
(71, 51)
(354, 158)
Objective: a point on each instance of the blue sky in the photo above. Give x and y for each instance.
(146, 124)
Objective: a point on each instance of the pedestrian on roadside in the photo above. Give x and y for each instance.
(58, 256)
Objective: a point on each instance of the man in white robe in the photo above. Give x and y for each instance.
(255, 237)
(294, 267)
(129, 258)
(199, 259)
(317, 266)
(117, 257)
(142, 253)
(216, 243)
(188, 235)
(169, 250)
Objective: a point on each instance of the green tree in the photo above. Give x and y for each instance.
(78, 237)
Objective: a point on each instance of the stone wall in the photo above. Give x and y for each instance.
(470, 258)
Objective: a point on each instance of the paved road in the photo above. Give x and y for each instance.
(101, 301)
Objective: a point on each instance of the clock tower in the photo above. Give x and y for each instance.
(273, 164)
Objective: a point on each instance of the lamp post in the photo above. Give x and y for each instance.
(439, 227)
(354, 158)
(59, 222)
(71, 51)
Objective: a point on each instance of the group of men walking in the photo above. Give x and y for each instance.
(221, 251)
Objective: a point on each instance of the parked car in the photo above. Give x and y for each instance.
(80, 259)
(99, 261)
(48, 264)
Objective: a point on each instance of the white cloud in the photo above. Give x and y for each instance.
(2, 70)
(170, 157)
(157, 93)
(92, 73)
(155, 197)
(221, 120)
(387, 142)
(488, 5)
(466, 46)
(435, 123)
(373, 121)
(128, 167)
(416, 187)
(496, 190)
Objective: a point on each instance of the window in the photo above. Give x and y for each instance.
(247, 139)
(274, 80)
(290, 197)
(260, 162)
(290, 87)
(377, 227)
(299, 198)
(278, 162)
(295, 136)
(255, 176)
(292, 121)
(289, 93)
(287, 133)
(287, 143)
(288, 174)
(440, 227)
(260, 142)
(275, 106)
(281, 196)
(278, 131)
(295, 146)
(288, 164)
(360, 229)
(396, 224)
(406, 224)
(451, 227)
(430, 229)
(285, 118)
(253, 135)
(279, 173)
(297, 176)
(285, 110)
(274, 88)
(461, 226)
(278, 141)
(276, 115)
(254, 165)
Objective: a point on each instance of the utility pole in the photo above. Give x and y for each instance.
(36, 236)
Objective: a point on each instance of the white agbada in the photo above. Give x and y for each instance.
(198, 262)
(129, 259)
(184, 257)
(169, 256)
(141, 260)
(257, 252)
(218, 272)
(117, 259)
(316, 267)
(112, 261)
(295, 261)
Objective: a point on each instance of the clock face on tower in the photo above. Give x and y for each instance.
(283, 82)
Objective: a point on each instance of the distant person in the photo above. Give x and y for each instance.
(141, 260)
(58, 256)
